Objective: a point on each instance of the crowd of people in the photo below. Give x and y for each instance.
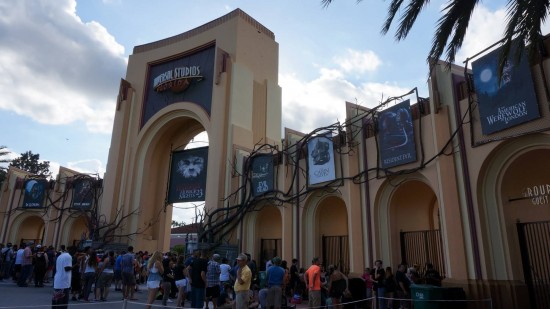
(384, 286)
(201, 278)
(87, 275)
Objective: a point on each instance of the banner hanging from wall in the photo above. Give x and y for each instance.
(396, 136)
(262, 174)
(512, 102)
(321, 167)
(35, 192)
(83, 194)
(188, 78)
(188, 175)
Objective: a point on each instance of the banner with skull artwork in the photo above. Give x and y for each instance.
(188, 175)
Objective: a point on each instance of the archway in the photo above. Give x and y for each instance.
(409, 225)
(77, 231)
(171, 129)
(326, 230)
(28, 227)
(524, 194)
(268, 234)
(498, 189)
(515, 217)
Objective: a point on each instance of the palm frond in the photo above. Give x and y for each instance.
(392, 11)
(409, 18)
(524, 21)
(453, 24)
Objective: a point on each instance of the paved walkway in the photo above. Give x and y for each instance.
(12, 296)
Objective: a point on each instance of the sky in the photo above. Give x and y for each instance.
(61, 62)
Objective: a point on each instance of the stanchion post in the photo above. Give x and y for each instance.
(125, 304)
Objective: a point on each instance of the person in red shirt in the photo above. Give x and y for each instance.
(313, 283)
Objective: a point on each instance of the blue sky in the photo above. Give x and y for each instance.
(61, 62)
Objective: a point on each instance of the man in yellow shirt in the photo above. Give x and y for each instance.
(242, 282)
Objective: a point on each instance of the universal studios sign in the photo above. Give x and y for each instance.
(177, 79)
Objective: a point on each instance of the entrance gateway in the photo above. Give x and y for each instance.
(220, 78)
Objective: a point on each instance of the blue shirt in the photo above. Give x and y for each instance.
(128, 263)
(275, 275)
(118, 263)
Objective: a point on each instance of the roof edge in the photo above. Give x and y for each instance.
(196, 31)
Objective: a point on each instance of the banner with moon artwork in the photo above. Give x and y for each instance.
(35, 192)
(511, 102)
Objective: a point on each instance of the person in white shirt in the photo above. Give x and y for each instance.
(224, 273)
(62, 280)
(18, 261)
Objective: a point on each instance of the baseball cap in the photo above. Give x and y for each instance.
(242, 257)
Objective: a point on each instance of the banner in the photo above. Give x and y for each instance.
(396, 135)
(188, 175)
(512, 102)
(189, 78)
(320, 160)
(35, 191)
(83, 194)
(262, 174)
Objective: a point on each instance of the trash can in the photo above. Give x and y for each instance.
(454, 293)
(421, 295)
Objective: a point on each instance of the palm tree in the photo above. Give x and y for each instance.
(3, 159)
(523, 29)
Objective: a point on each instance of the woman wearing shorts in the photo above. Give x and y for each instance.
(155, 270)
(181, 281)
(106, 274)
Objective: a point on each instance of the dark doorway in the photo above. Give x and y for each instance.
(421, 247)
(336, 252)
(534, 241)
(269, 249)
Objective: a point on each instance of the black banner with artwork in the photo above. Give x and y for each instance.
(35, 192)
(188, 175)
(83, 193)
(262, 174)
(321, 167)
(510, 103)
(188, 78)
(396, 136)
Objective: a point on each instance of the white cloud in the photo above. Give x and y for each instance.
(323, 99)
(56, 69)
(355, 61)
(89, 166)
(486, 27)
(186, 212)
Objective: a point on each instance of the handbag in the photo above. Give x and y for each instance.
(347, 293)
(58, 296)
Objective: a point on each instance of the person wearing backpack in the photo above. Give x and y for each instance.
(105, 278)
(40, 266)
